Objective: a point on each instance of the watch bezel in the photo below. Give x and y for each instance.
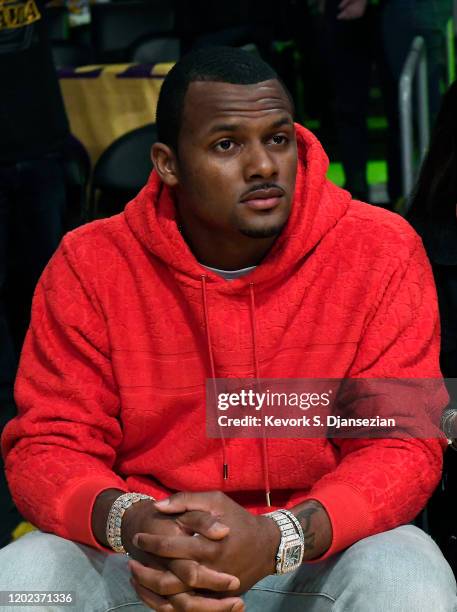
(281, 566)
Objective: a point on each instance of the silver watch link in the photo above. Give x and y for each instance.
(291, 547)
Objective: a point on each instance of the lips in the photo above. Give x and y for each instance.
(263, 199)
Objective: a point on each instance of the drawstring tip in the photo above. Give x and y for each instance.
(268, 496)
(225, 471)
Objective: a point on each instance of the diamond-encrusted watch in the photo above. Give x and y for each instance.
(291, 548)
(114, 521)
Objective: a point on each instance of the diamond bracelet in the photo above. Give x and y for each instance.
(114, 521)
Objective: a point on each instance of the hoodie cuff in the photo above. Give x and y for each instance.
(76, 509)
(350, 516)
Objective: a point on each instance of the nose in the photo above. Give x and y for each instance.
(259, 162)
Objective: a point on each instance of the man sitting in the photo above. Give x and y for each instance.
(238, 259)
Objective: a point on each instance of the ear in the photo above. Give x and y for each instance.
(164, 161)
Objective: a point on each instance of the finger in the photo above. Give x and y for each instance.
(182, 576)
(344, 4)
(160, 582)
(184, 501)
(186, 602)
(176, 547)
(210, 579)
(199, 576)
(153, 601)
(203, 523)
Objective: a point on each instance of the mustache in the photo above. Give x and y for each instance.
(262, 186)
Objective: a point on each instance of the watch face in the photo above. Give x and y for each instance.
(292, 556)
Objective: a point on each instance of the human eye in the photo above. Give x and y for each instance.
(279, 139)
(224, 145)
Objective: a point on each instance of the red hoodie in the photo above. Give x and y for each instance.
(111, 386)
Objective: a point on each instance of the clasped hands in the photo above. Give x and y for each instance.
(199, 552)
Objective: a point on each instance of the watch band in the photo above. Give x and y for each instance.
(291, 548)
(114, 521)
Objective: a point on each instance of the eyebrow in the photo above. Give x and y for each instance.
(233, 127)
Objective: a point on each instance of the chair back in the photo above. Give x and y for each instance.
(67, 54)
(155, 50)
(77, 175)
(121, 171)
(116, 26)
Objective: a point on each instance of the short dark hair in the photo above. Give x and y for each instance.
(220, 64)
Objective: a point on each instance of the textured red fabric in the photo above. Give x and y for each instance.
(111, 386)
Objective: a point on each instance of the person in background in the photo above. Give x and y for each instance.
(34, 128)
(360, 33)
(350, 45)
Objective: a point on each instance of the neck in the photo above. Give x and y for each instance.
(225, 252)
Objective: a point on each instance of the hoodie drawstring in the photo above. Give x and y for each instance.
(266, 474)
(225, 473)
(225, 469)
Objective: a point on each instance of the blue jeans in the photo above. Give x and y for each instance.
(397, 571)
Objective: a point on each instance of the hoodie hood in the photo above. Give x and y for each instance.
(317, 207)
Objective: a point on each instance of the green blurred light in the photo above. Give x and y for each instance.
(376, 172)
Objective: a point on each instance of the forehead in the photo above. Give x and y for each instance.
(207, 102)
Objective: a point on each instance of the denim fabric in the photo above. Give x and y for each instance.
(397, 571)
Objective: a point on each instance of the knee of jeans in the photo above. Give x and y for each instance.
(41, 561)
(405, 569)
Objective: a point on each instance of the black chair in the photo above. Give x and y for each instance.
(68, 54)
(77, 175)
(122, 170)
(442, 509)
(153, 50)
(116, 26)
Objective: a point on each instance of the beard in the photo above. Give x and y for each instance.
(262, 232)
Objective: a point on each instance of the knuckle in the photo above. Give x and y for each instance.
(161, 587)
(212, 553)
(201, 548)
(162, 547)
(192, 578)
(187, 572)
(187, 605)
